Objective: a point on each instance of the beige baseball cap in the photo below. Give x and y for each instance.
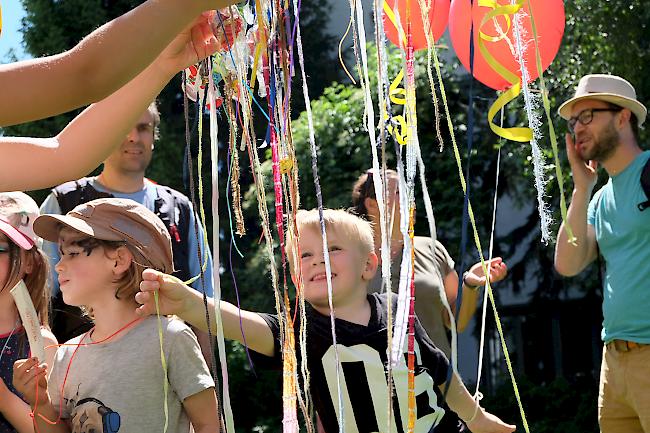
(18, 211)
(116, 219)
(608, 88)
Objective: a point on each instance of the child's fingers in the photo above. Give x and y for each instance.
(144, 310)
(143, 297)
(27, 370)
(149, 286)
(24, 365)
(151, 275)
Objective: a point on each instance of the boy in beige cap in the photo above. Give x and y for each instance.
(111, 377)
(604, 116)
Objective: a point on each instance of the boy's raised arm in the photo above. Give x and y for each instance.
(176, 298)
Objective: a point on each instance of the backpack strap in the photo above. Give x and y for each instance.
(645, 184)
(71, 194)
(173, 208)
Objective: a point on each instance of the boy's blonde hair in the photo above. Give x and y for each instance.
(348, 225)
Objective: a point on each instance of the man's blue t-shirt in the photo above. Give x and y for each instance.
(146, 197)
(623, 236)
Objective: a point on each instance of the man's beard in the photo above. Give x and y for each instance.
(604, 145)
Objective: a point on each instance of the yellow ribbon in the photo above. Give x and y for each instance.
(0, 19)
(397, 95)
(261, 44)
(521, 134)
(390, 14)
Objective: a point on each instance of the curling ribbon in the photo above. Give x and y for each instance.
(396, 93)
(398, 97)
(519, 134)
(488, 287)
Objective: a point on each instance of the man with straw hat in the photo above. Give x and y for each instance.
(604, 118)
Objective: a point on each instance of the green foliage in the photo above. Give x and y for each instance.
(606, 37)
(559, 406)
(600, 37)
(254, 393)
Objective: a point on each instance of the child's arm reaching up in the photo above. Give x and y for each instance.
(30, 380)
(176, 298)
(476, 418)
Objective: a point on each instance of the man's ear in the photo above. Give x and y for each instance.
(370, 268)
(625, 116)
(122, 258)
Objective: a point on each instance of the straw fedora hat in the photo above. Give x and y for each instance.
(608, 88)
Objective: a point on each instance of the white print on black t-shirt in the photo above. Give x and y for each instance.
(360, 360)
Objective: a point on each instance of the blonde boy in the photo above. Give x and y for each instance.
(361, 331)
(111, 379)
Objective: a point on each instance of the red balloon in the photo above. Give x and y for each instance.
(438, 17)
(549, 23)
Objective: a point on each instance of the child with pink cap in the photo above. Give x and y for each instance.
(20, 258)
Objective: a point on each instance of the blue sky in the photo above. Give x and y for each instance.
(12, 13)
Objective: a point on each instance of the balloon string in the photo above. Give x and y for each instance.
(477, 394)
(478, 243)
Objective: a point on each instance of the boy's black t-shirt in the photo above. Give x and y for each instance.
(362, 351)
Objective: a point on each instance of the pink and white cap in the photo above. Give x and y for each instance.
(17, 214)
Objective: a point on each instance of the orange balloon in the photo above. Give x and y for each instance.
(549, 23)
(438, 17)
